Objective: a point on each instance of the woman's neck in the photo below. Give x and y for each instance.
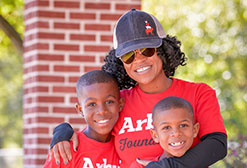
(158, 85)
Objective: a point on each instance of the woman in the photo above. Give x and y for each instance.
(143, 60)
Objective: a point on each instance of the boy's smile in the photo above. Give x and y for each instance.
(175, 131)
(100, 106)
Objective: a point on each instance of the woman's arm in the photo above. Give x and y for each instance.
(62, 134)
(212, 148)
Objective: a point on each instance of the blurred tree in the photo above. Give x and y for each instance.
(11, 31)
(214, 38)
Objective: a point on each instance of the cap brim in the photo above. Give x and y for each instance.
(136, 44)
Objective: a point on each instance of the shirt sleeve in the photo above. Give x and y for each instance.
(63, 132)
(207, 111)
(212, 148)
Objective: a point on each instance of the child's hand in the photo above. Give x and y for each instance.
(143, 162)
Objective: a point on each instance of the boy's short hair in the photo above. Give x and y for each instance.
(172, 102)
(92, 77)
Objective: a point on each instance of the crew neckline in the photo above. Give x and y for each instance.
(155, 94)
(97, 142)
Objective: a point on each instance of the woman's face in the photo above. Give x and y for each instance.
(145, 70)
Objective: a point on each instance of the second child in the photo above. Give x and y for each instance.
(174, 129)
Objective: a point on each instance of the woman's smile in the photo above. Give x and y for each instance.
(143, 69)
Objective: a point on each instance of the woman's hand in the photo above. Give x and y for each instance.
(143, 162)
(63, 148)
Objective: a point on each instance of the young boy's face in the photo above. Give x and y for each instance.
(100, 104)
(174, 130)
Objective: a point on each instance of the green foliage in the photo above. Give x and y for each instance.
(237, 153)
(11, 77)
(12, 11)
(214, 38)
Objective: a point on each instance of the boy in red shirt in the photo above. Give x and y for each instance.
(174, 128)
(99, 104)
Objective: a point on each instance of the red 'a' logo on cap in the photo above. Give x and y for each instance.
(149, 29)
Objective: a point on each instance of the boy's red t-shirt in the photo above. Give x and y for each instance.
(132, 131)
(90, 153)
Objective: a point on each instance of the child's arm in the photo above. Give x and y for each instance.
(212, 148)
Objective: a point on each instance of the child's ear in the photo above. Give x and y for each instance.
(121, 102)
(196, 129)
(154, 135)
(79, 109)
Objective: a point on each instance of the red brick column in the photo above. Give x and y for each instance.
(62, 40)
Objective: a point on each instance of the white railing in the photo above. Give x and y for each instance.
(11, 158)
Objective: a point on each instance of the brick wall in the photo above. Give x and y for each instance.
(62, 40)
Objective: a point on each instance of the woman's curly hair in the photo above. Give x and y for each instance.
(169, 52)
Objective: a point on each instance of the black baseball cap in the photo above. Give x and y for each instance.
(137, 29)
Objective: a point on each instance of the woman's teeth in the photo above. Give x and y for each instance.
(142, 69)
